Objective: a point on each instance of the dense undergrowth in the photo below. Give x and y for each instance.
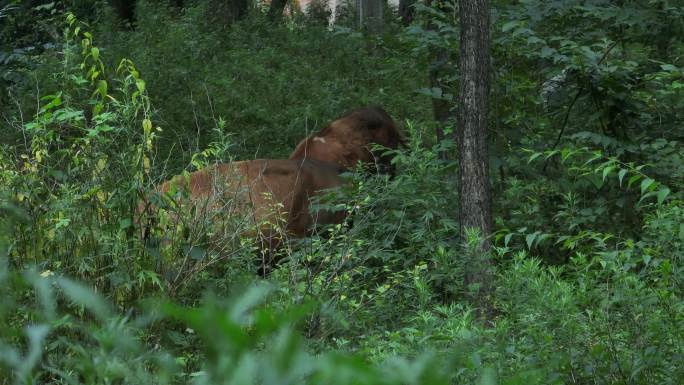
(589, 240)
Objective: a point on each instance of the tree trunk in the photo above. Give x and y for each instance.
(441, 108)
(125, 10)
(238, 8)
(275, 11)
(475, 189)
(406, 11)
(370, 15)
(439, 57)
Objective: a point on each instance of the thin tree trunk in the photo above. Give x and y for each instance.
(406, 11)
(238, 8)
(439, 57)
(125, 10)
(475, 189)
(441, 108)
(275, 11)
(371, 15)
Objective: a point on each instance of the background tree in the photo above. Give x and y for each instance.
(475, 191)
(440, 68)
(238, 8)
(589, 244)
(407, 11)
(125, 10)
(371, 15)
(275, 10)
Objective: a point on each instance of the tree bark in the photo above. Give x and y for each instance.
(125, 10)
(371, 15)
(406, 11)
(439, 59)
(475, 190)
(275, 11)
(238, 8)
(441, 108)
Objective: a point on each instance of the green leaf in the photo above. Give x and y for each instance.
(621, 175)
(633, 179)
(607, 171)
(647, 259)
(595, 180)
(647, 195)
(125, 223)
(45, 7)
(95, 52)
(645, 184)
(534, 156)
(488, 377)
(435, 93)
(97, 109)
(662, 194)
(55, 102)
(147, 126)
(195, 252)
(254, 296)
(507, 238)
(547, 51)
(140, 84)
(83, 295)
(509, 26)
(101, 88)
(529, 239)
(551, 153)
(36, 335)
(596, 155)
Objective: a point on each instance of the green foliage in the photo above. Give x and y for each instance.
(80, 171)
(588, 174)
(391, 251)
(597, 318)
(318, 13)
(266, 81)
(74, 336)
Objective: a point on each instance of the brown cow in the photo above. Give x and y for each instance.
(269, 198)
(273, 196)
(348, 140)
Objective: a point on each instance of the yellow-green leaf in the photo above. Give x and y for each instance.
(147, 126)
(141, 85)
(146, 164)
(102, 88)
(101, 164)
